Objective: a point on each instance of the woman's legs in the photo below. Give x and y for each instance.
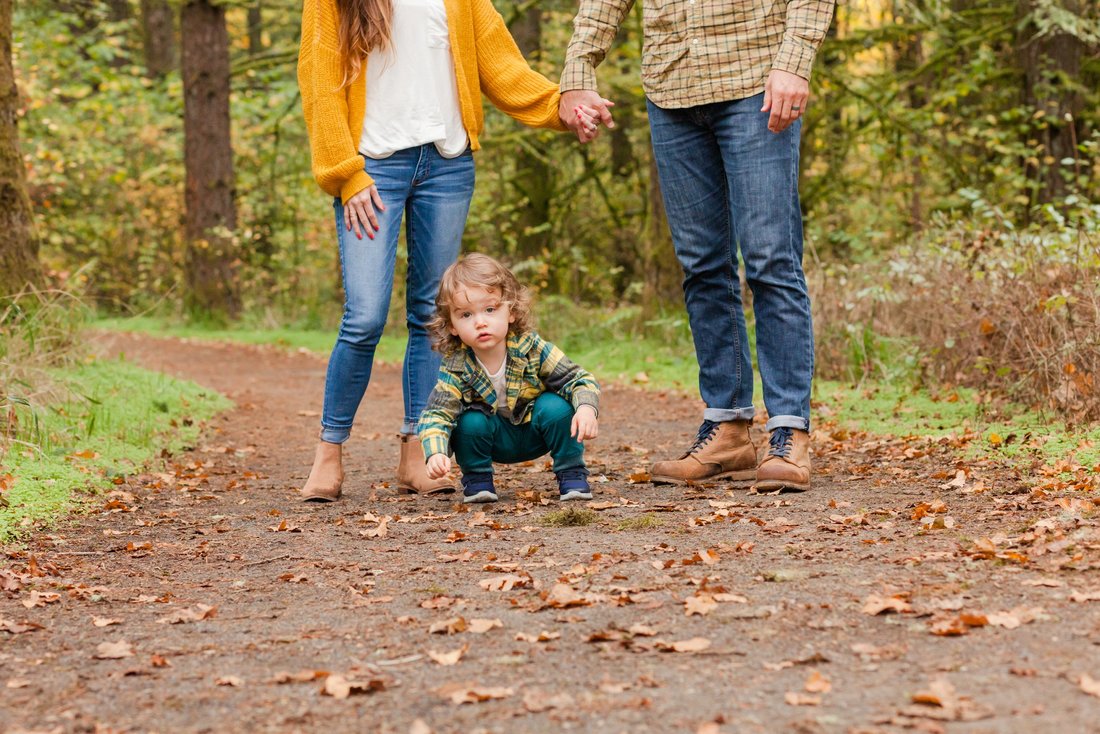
(368, 267)
(436, 212)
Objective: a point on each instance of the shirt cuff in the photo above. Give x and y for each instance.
(435, 444)
(577, 74)
(587, 397)
(795, 56)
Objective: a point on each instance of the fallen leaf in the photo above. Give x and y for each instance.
(105, 621)
(695, 644)
(228, 680)
(504, 583)
(795, 698)
(481, 626)
(876, 604)
(562, 596)
(451, 626)
(448, 658)
(159, 661)
(817, 683)
(41, 599)
(18, 683)
(1089, 685)
(460, 693)
(180, 616)
(701, 604)
(420, 727)
(543, 636)
(339, 686)
(378, 531)
(302, 676)
(1084, 596)
(114, 650)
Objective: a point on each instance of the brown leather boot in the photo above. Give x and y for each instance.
(412, 471)
(721, 451)
(326, 478)
(787, 463)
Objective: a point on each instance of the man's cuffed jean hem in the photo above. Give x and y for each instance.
(335, 435)
(721, 415)
(788, 421)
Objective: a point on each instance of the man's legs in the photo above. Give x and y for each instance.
(696, 195)
(761, 170)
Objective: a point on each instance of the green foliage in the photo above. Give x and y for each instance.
(103, 419)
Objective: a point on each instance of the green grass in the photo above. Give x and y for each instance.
(115, 417)
(391, 349)
(641, 522)
(1004, 430)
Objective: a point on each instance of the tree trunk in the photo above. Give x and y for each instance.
(255, 29)
(909, 57)
(1052, 72)
(534, 178)
(159, 37)
(208, 158)
(18, 247)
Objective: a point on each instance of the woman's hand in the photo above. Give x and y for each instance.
(359, 212)
(438, 465)
(585, 425)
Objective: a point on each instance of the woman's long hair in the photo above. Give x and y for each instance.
(365, 25)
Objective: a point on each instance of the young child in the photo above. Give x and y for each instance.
(504, 394)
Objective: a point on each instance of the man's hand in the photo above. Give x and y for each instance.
(785, 94)
(578, 107)
(584, 425)
(438, 465)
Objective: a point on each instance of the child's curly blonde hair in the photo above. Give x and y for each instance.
(478, 271)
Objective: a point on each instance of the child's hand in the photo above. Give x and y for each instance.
(585, 425)
(438, 465)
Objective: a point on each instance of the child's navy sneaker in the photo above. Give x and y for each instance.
(478, 488)
(573, 484)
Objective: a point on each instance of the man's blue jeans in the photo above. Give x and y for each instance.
(434, 194)
(730, 184)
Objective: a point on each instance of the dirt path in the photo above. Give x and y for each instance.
(729, 612)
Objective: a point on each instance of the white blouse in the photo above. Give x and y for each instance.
(412, 95)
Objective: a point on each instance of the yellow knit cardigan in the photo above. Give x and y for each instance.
(486, 60)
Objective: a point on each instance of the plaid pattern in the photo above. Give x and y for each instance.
(534, 367)
(701, 51)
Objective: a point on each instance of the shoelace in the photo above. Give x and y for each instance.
(781, 442)
(706, 432)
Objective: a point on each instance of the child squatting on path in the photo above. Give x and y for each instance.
(504, 394)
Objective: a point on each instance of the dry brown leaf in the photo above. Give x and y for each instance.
(504, 583)
(420, 727)
(876, 604)
(460, 693)
(481, 626)
(701, 604)
(1084, 596)
(41, 599)
(339, 686)
(695, 644)
(543, 636)
(564, 595)
(105, 621)
(451, 626)
(817, 683)
(641, 630)
(229, 680)
(302, 676)
(378, 531)
(1089, 685)
(438, 602)
(113, 650)
(795, 698)
(726, 597)
(448, 658)
(18, 683)
(180, 616)
(708, 557)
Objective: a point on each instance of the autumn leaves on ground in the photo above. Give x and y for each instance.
(908, 591)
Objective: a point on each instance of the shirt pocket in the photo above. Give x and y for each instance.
(664, 17)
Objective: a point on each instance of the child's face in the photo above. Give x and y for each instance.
(480, 320)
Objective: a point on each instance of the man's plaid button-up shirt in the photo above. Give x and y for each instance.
(701, 51)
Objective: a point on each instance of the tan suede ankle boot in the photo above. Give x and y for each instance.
(326, 477)
(721, 451)
(787, 463)
(412, 471)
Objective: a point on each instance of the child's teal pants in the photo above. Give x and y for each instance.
(478, 440)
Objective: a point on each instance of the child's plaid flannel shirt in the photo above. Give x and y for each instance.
(534, 367)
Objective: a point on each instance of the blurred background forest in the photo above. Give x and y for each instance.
(949, 181)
